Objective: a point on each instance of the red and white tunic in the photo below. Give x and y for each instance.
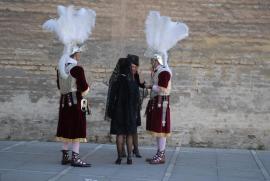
(72, 121)
(158, 120)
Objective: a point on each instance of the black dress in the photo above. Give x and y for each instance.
(141, 97)
(123, 105)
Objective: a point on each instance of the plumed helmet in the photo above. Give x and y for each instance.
(158, 58)
(72, 27)
(75, 49)
(162, 34)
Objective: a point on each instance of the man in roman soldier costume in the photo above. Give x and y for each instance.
(158, 120)
(161, 34)
(72, 116)
(72, 28)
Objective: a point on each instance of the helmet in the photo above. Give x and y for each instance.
(75, 49)
(158, 58)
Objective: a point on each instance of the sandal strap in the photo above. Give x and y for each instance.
(77, 160)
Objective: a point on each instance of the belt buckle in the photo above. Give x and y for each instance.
(84, 105)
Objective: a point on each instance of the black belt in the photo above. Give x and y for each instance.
(163, 98)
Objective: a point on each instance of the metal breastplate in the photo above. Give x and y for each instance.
(67, 85)
(155, 82)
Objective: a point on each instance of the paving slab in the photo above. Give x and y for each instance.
(40, 161)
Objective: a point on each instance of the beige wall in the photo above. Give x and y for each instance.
(221, 83)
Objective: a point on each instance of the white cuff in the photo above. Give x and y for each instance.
(84, 93)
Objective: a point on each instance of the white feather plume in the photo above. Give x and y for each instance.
(73, 27)
(162, 34)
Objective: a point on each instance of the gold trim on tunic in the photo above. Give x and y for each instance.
(159, 134)
(83, 140)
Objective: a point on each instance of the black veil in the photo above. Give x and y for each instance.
(123, 99)
(112, 80)
(122, 67)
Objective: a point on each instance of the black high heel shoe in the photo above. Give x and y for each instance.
(118, 161)
(129, 161)
(137, 153)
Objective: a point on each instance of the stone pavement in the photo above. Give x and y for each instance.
(40, 161)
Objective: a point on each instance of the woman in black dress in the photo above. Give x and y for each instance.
(134, 59)
(123, 106)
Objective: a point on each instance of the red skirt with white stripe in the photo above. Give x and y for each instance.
(154, 116)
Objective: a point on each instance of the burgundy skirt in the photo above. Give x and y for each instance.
(72, 121)
(154, 117)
